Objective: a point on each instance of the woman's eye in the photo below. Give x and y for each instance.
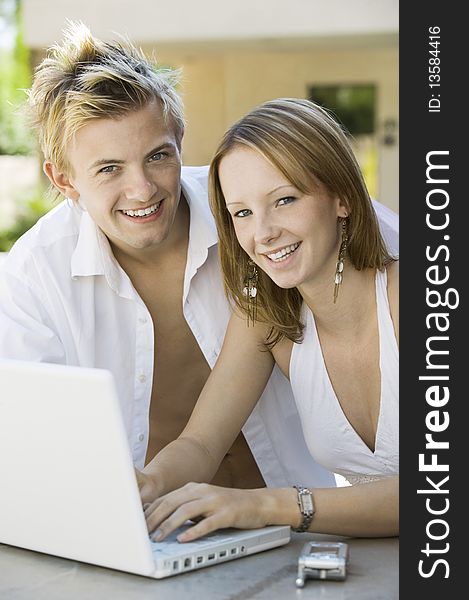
(242, 213)
(287, 200)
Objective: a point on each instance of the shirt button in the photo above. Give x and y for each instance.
(142, 320)
(141, 437)
(142, 378)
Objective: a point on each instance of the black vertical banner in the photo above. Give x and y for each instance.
(434, 221)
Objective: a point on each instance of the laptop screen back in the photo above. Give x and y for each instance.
(67, 482)
(66, 475)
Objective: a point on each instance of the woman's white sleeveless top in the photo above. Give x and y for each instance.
(331, 439)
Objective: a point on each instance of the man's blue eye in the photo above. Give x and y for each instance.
(108, 169)
(157, 156)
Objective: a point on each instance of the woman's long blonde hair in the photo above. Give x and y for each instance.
(306, 145)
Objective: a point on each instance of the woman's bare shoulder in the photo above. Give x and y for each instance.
(282, 355)
(393, 294)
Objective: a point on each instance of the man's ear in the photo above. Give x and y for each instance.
(61, 181)
(179, 139)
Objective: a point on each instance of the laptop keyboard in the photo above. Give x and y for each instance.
(171, 544)
(213, 548)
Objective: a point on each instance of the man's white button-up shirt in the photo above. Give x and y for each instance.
(65, 299)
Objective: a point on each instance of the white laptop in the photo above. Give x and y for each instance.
(67, 482)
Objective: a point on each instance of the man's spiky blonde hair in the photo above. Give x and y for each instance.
(84, 78)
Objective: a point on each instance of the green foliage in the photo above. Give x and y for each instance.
(15, 77)
(353, 105)
(32, 209)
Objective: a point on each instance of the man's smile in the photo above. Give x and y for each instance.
(143, 214)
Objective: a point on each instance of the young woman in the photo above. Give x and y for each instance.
(315, 291)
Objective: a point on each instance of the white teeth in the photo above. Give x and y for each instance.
(283, 253)
(142, 212)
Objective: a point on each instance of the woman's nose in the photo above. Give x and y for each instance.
(266, 231)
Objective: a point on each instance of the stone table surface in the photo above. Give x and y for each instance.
(373, 574)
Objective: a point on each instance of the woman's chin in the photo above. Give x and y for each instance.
(286, 283)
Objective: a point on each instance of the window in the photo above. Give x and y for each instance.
(354, 106)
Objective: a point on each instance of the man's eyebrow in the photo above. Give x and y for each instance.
(165, 146)
(105, 161)
(115, 161)
(284, 185)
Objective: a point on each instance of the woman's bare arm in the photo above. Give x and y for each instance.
(366, 510)
(226, 401)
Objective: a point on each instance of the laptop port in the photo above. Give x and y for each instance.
(200, 559)
(222, 553)
(187, 562)
(175, 565)
(234, 550)
(211, 557)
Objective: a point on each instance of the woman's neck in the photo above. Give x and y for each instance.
(355, 301)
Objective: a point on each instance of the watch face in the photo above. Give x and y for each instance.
(307, 503)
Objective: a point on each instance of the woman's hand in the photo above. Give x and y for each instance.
(212, 506)
(147, 487)
(366, 510)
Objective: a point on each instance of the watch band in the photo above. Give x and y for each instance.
(306, 506)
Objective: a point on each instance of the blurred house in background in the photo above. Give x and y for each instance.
(235, 55)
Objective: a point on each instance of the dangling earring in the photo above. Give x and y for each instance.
(340, 259)
(250, 291)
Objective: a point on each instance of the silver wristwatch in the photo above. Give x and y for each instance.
(305, 503)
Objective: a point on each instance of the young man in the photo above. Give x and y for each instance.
(124, 274)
